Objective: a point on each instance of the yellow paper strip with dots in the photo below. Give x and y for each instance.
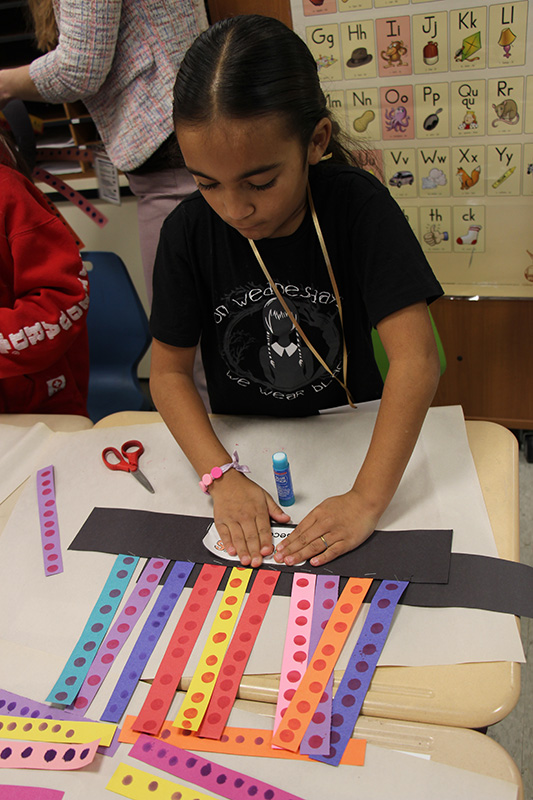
(56, 730)
(205, 676)
(139, 785)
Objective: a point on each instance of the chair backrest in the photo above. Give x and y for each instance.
(381, 356)
(119, 336)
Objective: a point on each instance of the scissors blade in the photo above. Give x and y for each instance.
(143, 480)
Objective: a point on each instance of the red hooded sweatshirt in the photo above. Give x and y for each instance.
(44, 351)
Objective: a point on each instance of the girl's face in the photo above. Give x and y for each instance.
(251, 174)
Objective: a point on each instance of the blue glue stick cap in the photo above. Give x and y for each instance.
(280, 461)
(282, 476)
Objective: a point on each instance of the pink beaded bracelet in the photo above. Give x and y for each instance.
(217, 472)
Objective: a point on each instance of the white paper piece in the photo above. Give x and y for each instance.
(213, 543)
(440, 489)
(21, 454)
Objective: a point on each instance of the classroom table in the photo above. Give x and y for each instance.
(458, 747)
(472, 695)
(404, 703)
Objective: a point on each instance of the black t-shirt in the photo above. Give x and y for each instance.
(208, 284)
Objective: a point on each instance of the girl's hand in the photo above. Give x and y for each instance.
(334, 527)
(242, 513)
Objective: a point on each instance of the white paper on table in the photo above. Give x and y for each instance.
(386, 773)
(440, 489)
(21, 454)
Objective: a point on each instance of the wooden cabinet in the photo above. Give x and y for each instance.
(220, 9)
(489, 351)
(66, 122)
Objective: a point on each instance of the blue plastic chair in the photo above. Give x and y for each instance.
(381, 356)
(119, 336)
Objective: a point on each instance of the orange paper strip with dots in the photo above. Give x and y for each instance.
(55, 730)
(203, 681)
(161, 694)
(239, 742)
(296, 649)
(305, 700)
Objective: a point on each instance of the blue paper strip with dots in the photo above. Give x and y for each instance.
(146, 641)
(71, 679)
(354, 685)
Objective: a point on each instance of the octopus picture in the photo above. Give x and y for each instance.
(397, 119)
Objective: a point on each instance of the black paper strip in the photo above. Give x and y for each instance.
(417, 556)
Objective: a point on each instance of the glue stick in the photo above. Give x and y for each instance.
(282, 476)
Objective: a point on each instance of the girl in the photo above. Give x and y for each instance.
(44, 349)
(283, 212)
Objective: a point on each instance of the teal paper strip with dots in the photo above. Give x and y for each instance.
(71, 679)
(148, 638)
(354, 685)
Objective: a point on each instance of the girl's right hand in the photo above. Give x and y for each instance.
(242, 513)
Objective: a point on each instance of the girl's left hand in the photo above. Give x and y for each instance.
(334, 527)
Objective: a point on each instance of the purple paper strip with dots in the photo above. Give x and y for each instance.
(12, 792)
(121, 629)
(18, 754)
(68, 684)
(316, 737)
(147, 640)
(296, 650)
(204, 773)
(51, 543)
(17, 705)
(353, 687)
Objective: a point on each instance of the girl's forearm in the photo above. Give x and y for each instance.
(407, 395)
(181, 407)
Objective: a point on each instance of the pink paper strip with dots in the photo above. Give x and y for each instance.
(305, 700)
(199, 693)
(43, 755)
(296, 650)
(186, 632)
(238, 653)
(120, 630)
(51, 544)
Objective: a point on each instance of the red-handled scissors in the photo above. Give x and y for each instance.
(128, 461)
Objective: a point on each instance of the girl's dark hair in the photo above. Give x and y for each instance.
(248, 66)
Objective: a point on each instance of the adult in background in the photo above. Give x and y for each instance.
(120, 58)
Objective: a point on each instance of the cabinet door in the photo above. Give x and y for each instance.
(489, 353)
(280, 9)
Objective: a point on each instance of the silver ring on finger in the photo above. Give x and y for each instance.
(324, 541)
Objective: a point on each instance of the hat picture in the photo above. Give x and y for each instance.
(359, 58)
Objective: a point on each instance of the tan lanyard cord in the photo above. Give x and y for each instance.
(337, 298)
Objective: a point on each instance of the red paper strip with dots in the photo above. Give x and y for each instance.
(238, 653)
(51, 543)
(305, 700)
(120, 630)
(203, 681)
(296, 649)
(168, 675)
(239, 742)
(43, 755)
(204, 773)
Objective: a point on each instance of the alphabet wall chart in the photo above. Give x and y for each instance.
(440, 94)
